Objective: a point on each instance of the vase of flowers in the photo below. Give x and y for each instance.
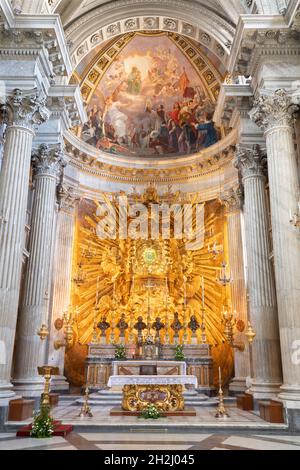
(43, 424)
(120, 352)
(151, 412)
(179, 354)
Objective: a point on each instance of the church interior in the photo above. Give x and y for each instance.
(150, 225)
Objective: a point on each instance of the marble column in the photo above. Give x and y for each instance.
(266, 361)
(3, 126)
(275, 114)
(24, 112)
(48, 163)
(232, 200)
(68, 199)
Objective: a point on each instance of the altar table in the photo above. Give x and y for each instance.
(121, 380)
(132, 367)
(165, 391)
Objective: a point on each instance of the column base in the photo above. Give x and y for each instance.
(290, 395)
(237, 385)
(59, 383)
(264, 390)
(29, 387)
(6, 390)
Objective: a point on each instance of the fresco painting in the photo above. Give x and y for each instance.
(150, 102)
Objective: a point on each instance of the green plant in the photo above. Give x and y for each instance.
(43, 425)
(120, 351)
(179, 354)
(151, 412)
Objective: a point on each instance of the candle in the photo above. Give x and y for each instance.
(203, 292)
(220, 375)
(185, 293)
(97, 293)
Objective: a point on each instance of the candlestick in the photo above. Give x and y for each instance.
(97, 293)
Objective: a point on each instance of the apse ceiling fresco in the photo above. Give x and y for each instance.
(150, 95)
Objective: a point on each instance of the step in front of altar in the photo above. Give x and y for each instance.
(114, 398)
(188, 411)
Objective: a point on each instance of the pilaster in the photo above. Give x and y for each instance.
(68, 197)
(233, 201)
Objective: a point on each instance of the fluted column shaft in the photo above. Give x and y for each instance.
(266, 361)
(233, 201)
(275, 114)
(34, 312)
(62, 280)
(23, 113)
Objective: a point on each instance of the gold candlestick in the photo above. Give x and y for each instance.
(221, 410)
(86, 411)
(95, 334)
(47, 372)
(203, 327)
(185, 337)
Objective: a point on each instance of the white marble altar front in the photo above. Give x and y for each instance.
(120, 381)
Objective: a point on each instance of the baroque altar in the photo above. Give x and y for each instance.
(148, 296)
(164, 390)
(101, 365)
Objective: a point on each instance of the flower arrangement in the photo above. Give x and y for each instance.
(120, 352)
(151, 412)
(43, 425)
(179, 354)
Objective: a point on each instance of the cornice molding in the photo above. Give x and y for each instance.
(93, 157)
(183, 172)
(258, 35)
(42, 31)
(6, 12)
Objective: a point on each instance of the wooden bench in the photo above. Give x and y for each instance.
(271, 411)
(244, 401)
(20, 409)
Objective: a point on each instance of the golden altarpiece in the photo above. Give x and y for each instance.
(148, 295)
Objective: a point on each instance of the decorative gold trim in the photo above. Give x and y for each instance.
(164, 397)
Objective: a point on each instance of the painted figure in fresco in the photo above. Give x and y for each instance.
(208, 127)
(134, 81)
(117, 119)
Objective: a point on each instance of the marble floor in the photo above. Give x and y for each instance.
(204, 419)
(241, 431)
(152, 441)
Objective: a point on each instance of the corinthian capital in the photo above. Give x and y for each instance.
(251, 162)
(233, 199)
(48, 161)
(25, 110)
(271, 111)
(68, 197)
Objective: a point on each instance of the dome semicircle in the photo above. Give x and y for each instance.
(150, 94)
